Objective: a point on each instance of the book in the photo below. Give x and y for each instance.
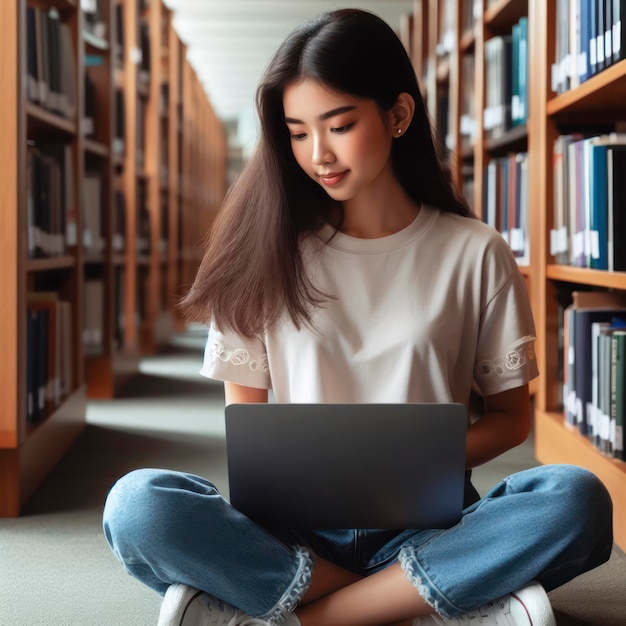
(602, 440)
(560, 236)
(584, 65)
(598, 414)
(48, 301)
(584, 318)
(587, 307)
(523, 71)
(602, 209)
(498, 60)
(618, 39)
(31, 52)
(616, 208)
(618, 391)
(93, 319)
(67, 349)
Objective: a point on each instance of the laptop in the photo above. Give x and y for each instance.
(347, 465)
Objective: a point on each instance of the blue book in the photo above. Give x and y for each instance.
(515, 83)
(523, 69)
(598, 214)
(584, 62)
(592, 45)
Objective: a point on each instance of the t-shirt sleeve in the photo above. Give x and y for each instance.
(505, 357)
(231, 357)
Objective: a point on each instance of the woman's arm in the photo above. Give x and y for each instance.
(238, 394)
(505, 424)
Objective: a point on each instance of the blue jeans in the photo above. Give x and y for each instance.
(548, 524)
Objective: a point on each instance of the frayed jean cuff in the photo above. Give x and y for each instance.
(424, 585)
(295, 591)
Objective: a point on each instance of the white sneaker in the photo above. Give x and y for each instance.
(186, 606)
(529, 606)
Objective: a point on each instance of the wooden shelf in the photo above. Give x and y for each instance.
(41, 120)
(514, 140)
(50, 263)
(604, 92)
(63, 6)
(556, 443)
(586, 276)
(96, 148)
(499, 17)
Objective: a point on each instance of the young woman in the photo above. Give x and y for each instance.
(344, 267)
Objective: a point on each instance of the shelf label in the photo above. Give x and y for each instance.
(594, 237)
(517, 240)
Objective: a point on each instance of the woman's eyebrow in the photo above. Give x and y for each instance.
(323, 116)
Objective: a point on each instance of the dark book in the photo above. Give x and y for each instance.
(586, 307)
(91, 98)
(31, 59)
(119, 222)
(608, 32)
(616, 213)
(582, 343)
(48, 301)
(31, 370)
(600, 15)
(119, 33)
(618, 42)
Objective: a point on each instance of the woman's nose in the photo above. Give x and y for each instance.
(322, 154)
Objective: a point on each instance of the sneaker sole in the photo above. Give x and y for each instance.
(177, 597)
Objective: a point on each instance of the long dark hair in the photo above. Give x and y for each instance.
(252, 272)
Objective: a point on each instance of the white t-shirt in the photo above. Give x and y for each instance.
(418, 316)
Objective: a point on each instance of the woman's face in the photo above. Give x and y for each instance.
(342, 142)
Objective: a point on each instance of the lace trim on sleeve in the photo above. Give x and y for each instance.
(519, 355)
(238, 356)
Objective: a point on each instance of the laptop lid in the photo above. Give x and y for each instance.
(347, 465)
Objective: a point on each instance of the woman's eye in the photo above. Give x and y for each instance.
(342, 129)
(298, 136)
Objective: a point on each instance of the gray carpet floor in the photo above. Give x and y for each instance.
(55, 566)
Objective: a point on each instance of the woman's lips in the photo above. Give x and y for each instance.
(330, 180)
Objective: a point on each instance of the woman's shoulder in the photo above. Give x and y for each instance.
(470, 228)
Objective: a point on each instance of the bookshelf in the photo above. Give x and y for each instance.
(43, 409)
(598, 100)
(101, 116)
(591, 107)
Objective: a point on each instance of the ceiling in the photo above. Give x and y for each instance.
(230, 42)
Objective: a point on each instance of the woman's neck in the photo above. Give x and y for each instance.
(378, 213)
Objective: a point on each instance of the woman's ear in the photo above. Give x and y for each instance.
(401, 114)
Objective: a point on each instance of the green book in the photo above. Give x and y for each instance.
(618, 391)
